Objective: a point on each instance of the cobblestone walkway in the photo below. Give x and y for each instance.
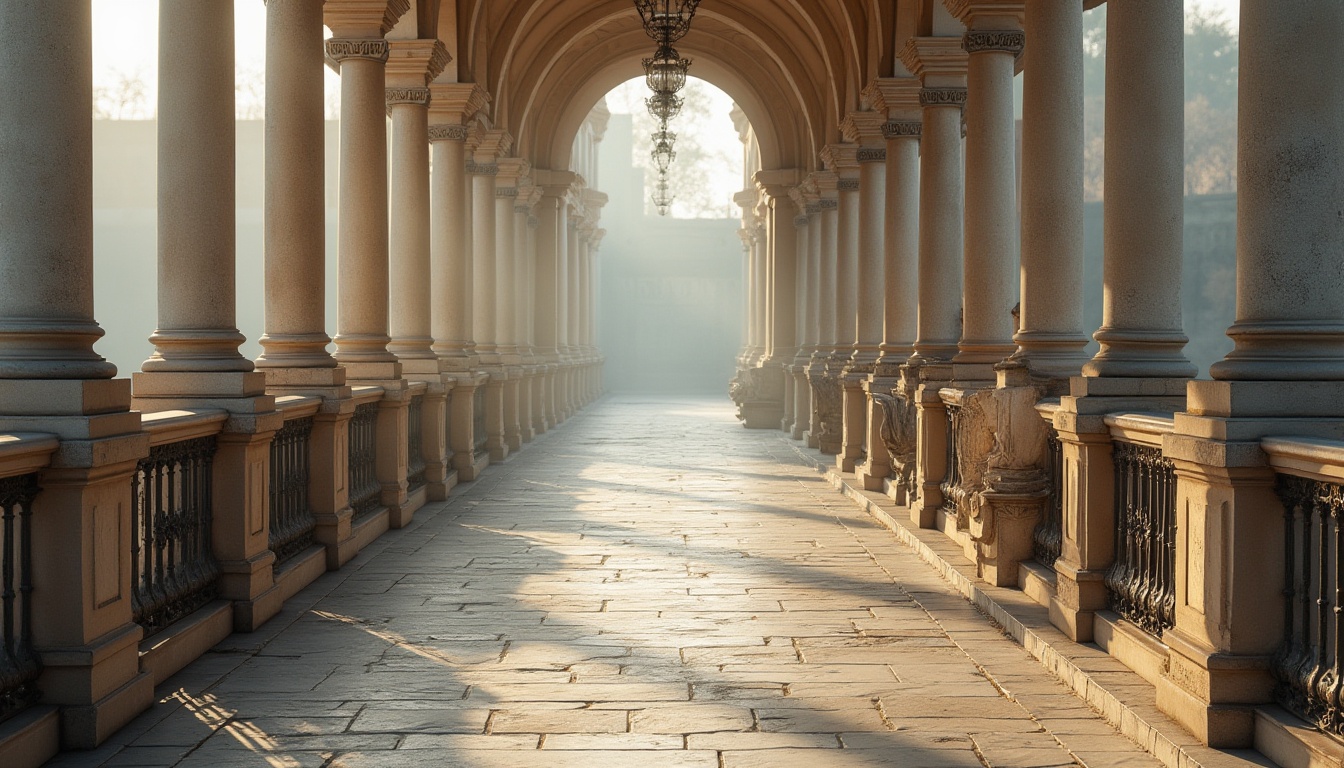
(649, 586)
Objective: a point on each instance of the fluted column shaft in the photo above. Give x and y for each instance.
(197, 328)
(295, 214)
(409, 237)
(47, 328)
(871, 254)
(1290, 233)
(484, 282)
(1141, 331)
(990, 277)
(940, 224)
(450, 259)
(900, 241)
(1051, 337)
(363, 284)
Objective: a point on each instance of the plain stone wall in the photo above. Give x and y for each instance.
(125, 239)
(1208, 278)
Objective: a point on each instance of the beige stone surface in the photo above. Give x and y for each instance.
(618, 597)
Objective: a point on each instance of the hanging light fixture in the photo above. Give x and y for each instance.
(666, 21)
(662, 153)
(664, 106)
(662, 197)
(665, 73)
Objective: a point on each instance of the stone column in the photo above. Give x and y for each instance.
(990, 276)
(577, 235)
(795, 415)
(485, 245)
(842, 159)
(940, 65)
(506, 294)
(450, 265)
(1050, 338)
(811, 427)
(825, 384)
(295, 341)
(1141, 333)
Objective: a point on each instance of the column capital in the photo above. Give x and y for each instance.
(447, 132)
(936, 61)
(899, 129)
(339, 49)
(395, 96)
(988, 14)
(594, 201)
(827, 184)
(895, 97)
(414, 63)
(778, 183)
(494, 143)
(363, 18)
(842, 159)
(512, 171)
(456, 103)
(995, 40)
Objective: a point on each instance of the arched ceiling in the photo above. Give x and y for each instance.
(796, 67)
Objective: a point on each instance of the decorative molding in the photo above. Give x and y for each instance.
(800, 221)
(483, 169)
(446, 132)
(999, 40)
(506, 192)
(522, 209)
(897, 129)
(533, 222)
(826, 204)
(419, 96)
(848, 185)
(340, 49)
(942, 97)
(872, 155)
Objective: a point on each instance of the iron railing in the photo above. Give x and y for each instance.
(1309, 664)
(951, 485)
(480, 440)
(1049, 533)
(173, 567)
(291, 515)
(1142, 581)
(415, 449)
(19, 663)
(365, 490)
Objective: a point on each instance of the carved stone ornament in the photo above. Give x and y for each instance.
(848, 185)
(800, 221)
(901, 128)
(826, 204)
(445, 132)
(525, 209)
(872, 155)
(942, 97)
(340, 50)
(506, 191)
(1005, 41)
(407, 96)
(533, 222)
(483, 169)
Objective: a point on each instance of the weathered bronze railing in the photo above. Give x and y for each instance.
(19, 664)
(415, 452)
(951, 485)
(480, 441)
(1142, 581)
(173, 567)
(291, 516)
(1310, 663)
(1049, 533)
(363, 482)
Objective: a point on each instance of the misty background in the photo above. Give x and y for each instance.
(670, 290)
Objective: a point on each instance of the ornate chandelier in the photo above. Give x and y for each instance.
(664, 106)
(665, 73)
(662, 198)
(666, 21)
(662, 153)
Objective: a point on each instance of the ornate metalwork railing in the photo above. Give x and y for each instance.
(173, 567)
(480, 440)
(415, 451)
(951, 485)
(365, 489)
(19, 663)
(1142, 581)
(291, 515)
(1049, 533)
(1310, 663)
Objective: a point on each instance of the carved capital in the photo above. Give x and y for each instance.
(339, 50)
(444, 132)
(898, 129)
(483, 169)
(800, 221)
(997, 40)
(533, 222)
(826, 204)
(848, 185)
(942, 97)
(505, 192)
(872, 155)
(419, 96)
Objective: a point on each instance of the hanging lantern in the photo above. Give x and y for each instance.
(666, 21)
(662, 197)
(662, 153)
(665, 73)
(664, 106)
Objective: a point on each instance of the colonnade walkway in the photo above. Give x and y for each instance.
(651, 585)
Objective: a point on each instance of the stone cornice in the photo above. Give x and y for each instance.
(414, 63)
(841, 158)
(987, 14)
(1009, 41)
(363, 18)
(494, 143)
(456, 102)
(447, 132)
(513, 171)
(340, 49)
(825, 183)
(863, 128)
(935, 60)
(894, 95)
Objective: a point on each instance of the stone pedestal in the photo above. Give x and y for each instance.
(463, 439)
(328, 483)
(393, 454)
(930, 440)
(876, 466)
(494, 415)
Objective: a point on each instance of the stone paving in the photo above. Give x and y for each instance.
(650, 585)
